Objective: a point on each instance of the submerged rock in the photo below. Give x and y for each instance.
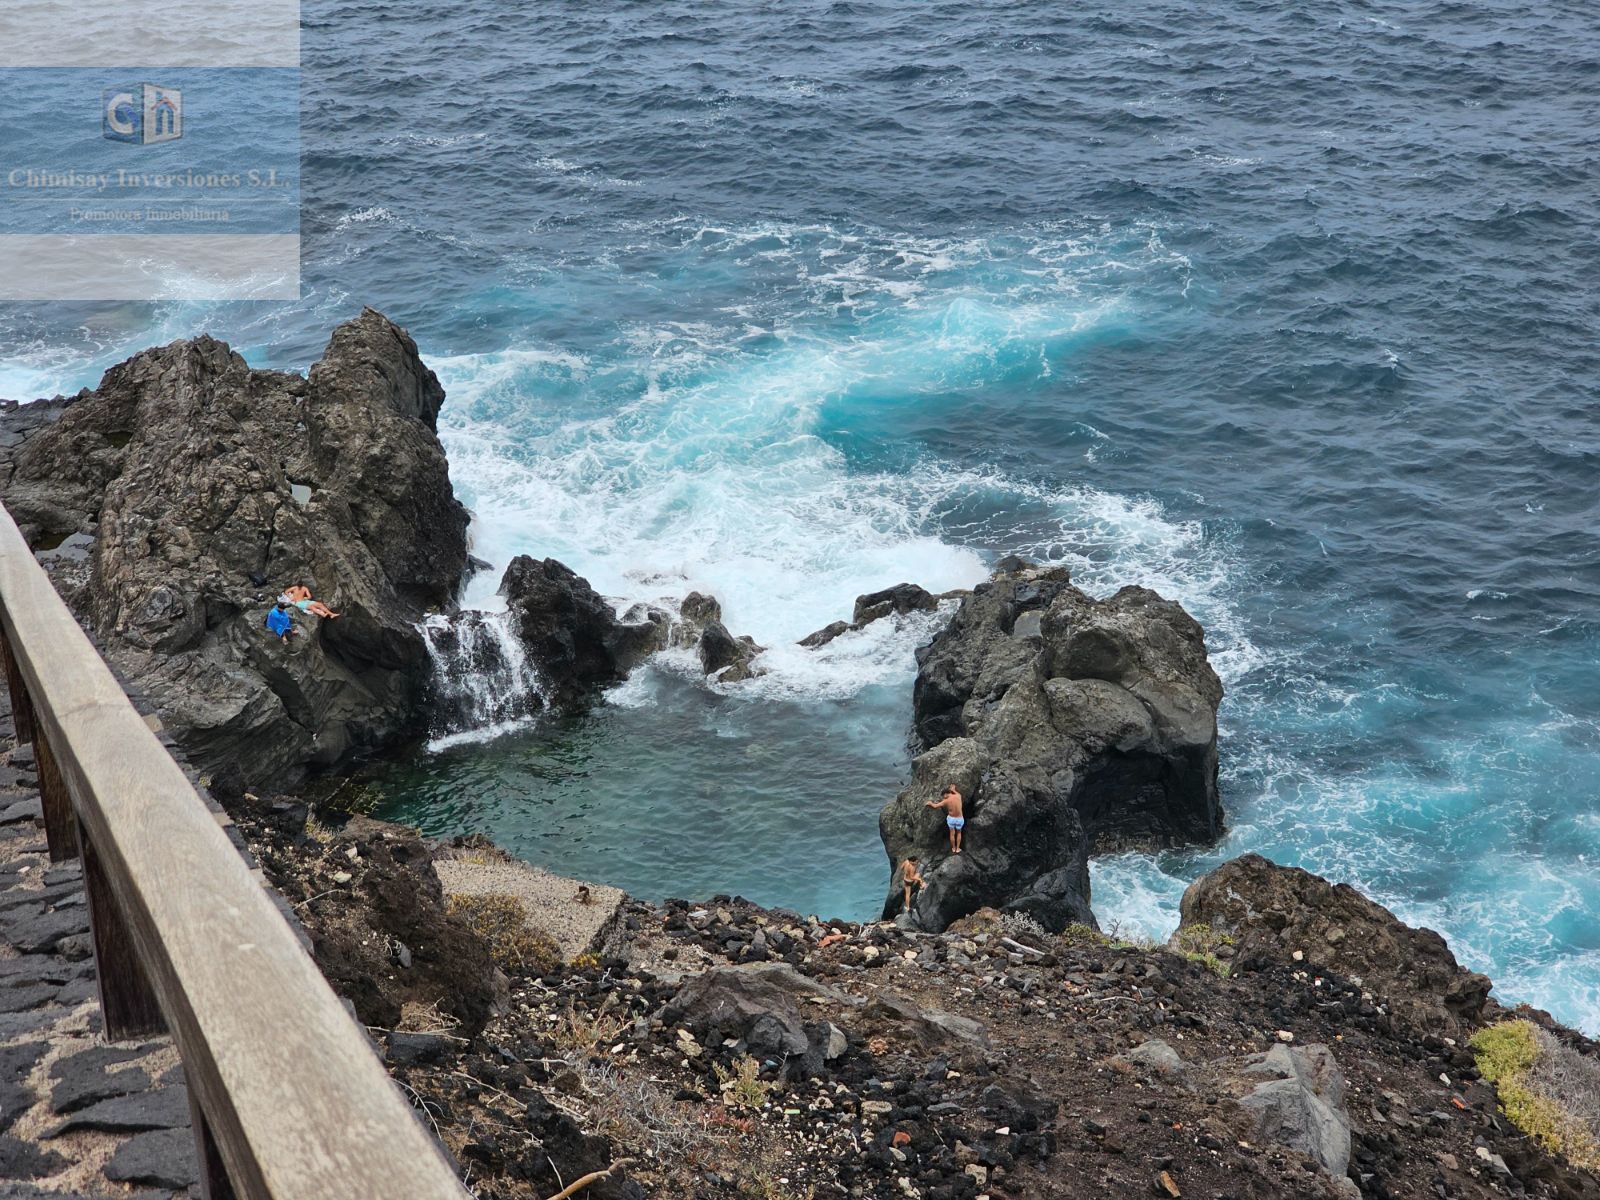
(898, 600)
(1069, 724)
(1273, 913)
(206, 487)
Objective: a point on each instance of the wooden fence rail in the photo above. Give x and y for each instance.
(290, 1101)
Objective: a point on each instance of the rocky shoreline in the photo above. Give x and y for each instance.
(1292, 1039)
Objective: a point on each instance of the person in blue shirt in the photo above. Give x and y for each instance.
(279, 622)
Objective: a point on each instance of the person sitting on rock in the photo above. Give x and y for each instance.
(910, 878)
(279, 621)
(299, 595)
(949, 802)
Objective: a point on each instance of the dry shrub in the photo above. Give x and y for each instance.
(1021, 926)
(579, 1034)
(633, 1111)
(1575, 1078)
(416, 1017)
(502, 922)
(1550, 1092)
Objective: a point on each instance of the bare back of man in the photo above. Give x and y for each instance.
(955, 820)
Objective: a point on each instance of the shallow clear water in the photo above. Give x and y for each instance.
(1286, 312)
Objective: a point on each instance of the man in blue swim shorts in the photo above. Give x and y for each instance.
(949, 802)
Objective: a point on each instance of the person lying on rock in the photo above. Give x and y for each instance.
(910, 878)
(279, 621)
(299, 595)
(950, 802)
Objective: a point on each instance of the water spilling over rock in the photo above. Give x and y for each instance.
(483, 679)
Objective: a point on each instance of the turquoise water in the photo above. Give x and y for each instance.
(1286, 313)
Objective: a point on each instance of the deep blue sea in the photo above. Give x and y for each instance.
(1289, 311)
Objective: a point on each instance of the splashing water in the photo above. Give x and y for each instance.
(484, 684)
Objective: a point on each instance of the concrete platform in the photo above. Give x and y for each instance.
(552, 902)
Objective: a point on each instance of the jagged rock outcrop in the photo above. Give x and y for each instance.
(728, 659)
(723, 657)
(1274, 912)
(176, 500)
(573, 633)
(1069, 724)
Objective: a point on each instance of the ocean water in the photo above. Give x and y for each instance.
(1287, 311)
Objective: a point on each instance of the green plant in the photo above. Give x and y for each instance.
(768, 1186)
(502, 922)
(1199, 944)
(1526, 1065)
(1080, 936)
(352, 799)
(742, 1086)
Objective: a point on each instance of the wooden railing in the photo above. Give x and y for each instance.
(290, 1101)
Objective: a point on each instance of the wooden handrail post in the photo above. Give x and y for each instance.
(53, 797)
(21, 704)
(214, 1181)
(127, 1001)
(60, 826)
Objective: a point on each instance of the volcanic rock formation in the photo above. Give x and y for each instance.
(1070, 724)
(175, 501)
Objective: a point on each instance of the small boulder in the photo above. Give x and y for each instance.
(759, 1004)
(1302, 1105)
(726, 658)
(163, 1158)
(901, 598)
(1156, 1057)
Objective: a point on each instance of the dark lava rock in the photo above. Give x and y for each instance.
(162, 1158)
(572, 632)
(899, 599)
(22, 810)
(1272, 911)
(726, 657)
(760, 1005)
(164, 1108)
(43, 930)
(1070, 724)
(207, 487)
(15, 1064)
(15, 1099)
(26, 996)
(24, 1160)
(85, 1077)
(412, 1049)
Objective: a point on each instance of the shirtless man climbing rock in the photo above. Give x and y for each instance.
(949, 802)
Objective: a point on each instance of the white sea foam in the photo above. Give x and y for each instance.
(687, 466)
